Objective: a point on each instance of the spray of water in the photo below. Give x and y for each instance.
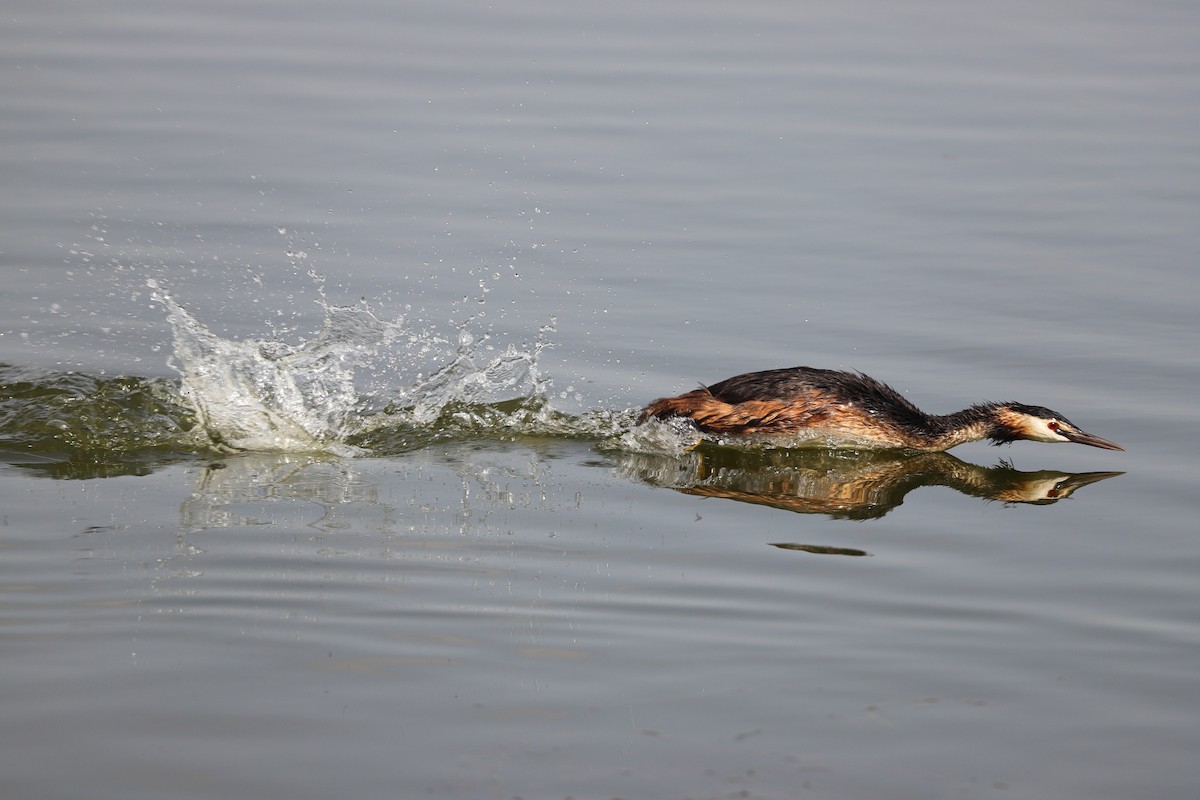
(361, 385)
(266, 395)
(261, 394)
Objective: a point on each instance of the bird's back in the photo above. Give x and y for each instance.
(810, 384)
(795, 400)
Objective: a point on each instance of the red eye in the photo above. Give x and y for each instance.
(1052, 425)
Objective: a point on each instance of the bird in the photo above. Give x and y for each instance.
(805, 405)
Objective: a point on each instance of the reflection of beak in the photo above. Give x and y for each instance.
(1076, 435)
(1067, 485)
(1078, 479)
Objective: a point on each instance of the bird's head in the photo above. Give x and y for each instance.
(1038, 424)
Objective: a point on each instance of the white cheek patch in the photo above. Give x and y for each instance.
(1041, 431)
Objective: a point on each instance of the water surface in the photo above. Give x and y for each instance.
(321, 339)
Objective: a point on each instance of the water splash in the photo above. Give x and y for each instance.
(264, 395)
(463, 381)
(671, 437)
(480, 395)
(362, 385)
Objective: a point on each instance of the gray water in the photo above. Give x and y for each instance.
(968, 202)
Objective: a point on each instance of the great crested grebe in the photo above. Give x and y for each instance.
(804, 404)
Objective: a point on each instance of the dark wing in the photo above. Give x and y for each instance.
(777, 384)
(812, 386)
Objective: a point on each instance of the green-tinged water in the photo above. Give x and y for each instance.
(268, 396)
(75, 425)
(67, 421)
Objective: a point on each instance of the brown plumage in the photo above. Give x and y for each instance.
(805, 404)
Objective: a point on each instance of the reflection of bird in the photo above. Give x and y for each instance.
(818, 481)
(792, 406)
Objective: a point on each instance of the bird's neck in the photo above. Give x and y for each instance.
(969, 425)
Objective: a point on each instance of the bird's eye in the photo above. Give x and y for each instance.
(1052, 424)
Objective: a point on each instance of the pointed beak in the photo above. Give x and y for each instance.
(1080, 437)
